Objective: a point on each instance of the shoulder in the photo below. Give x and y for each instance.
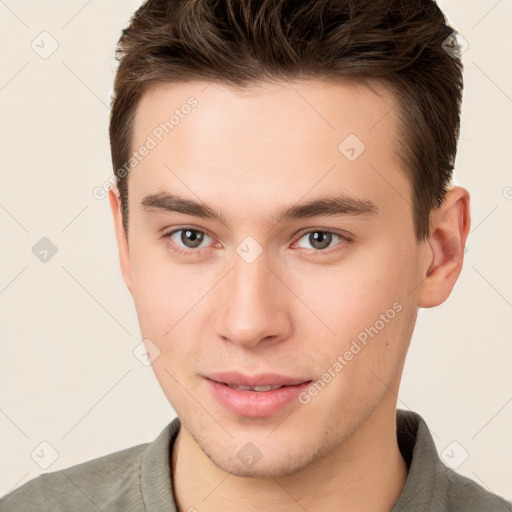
(464, 494)
(110, 482)
(431, 484)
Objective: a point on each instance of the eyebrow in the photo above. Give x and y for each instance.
(325, 206)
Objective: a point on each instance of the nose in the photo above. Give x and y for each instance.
(254, 305)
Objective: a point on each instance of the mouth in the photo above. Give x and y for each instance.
(269, 387)
(255, 396)
(240, 380)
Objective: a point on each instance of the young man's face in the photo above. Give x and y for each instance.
(252, 296)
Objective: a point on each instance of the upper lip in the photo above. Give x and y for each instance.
(262, 379)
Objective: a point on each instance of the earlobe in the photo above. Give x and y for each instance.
(449, 230)
(122, 242)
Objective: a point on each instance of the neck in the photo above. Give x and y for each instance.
(364, 473)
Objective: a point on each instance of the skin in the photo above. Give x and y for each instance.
(291, 311)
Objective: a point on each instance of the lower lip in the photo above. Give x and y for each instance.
(255, 404)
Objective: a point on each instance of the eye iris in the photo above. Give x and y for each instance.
(195, 237)
(318, 239)
(325, 239)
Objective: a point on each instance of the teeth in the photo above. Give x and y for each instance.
(270, 387)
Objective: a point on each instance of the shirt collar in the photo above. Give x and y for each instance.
(155, 472)
(425, 483)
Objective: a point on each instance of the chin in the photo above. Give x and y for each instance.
(270, 462)
(269, 469)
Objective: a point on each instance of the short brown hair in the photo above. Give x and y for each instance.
(245, 42)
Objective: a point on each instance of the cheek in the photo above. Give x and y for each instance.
(163, 292)
(164, 300)
(363, 309)
(171, 302)
(351, 295)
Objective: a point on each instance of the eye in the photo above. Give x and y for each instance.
(320, 240)
(186, 240)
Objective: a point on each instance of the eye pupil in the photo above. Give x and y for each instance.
(196, 237)
(321, 237)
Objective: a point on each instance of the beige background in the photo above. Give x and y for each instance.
(68, 373)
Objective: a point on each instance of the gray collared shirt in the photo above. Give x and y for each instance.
(138, 479)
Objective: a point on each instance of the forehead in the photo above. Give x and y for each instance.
(300, 108)
(288, 137)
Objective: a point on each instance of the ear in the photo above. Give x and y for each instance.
(449, 230)
(122, 241)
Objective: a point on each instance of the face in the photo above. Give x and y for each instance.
(322, 299)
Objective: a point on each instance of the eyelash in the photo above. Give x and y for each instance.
(196, 252)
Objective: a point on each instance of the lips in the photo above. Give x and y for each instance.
(255, 396)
